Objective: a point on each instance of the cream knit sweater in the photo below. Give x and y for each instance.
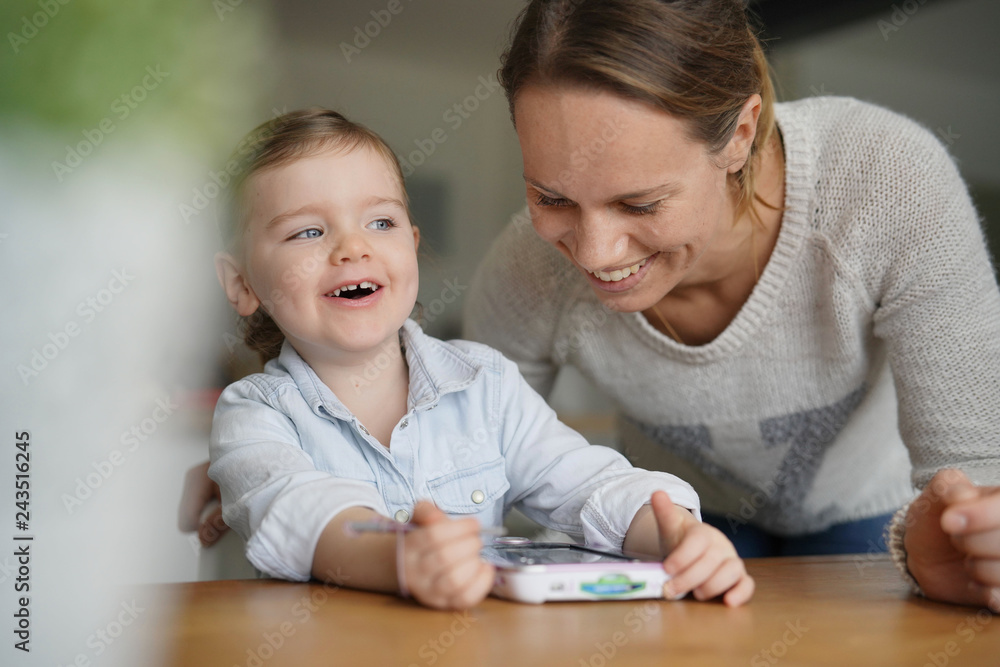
(879, 287)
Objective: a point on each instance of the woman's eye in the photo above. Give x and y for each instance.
(311, 233)
(644, 209)
(381, 224)
(545, 200)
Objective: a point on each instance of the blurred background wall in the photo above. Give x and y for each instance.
(115, 121)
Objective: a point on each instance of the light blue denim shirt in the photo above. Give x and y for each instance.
(476, 440)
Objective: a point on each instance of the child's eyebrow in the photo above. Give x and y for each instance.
(375, 200)
(308, 208)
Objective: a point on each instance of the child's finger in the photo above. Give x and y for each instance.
(441, 533)
(684, 555)
(726, 575)
(695, 574)
(460, 587)
(438, 557)
(740, 593)
(669, 521)
(426, 513)
(475, 589)
(458, 575)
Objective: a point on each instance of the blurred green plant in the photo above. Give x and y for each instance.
(68, 65)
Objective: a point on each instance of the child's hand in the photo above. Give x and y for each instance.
(701, 558)
(441, 563)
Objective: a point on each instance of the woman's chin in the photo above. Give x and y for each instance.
(621, 302)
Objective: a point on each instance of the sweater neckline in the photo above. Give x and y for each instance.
(799, 176)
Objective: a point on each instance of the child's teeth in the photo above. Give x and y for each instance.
(364, 284)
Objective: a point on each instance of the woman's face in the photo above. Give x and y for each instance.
(622, 191)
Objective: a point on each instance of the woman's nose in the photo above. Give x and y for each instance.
(597, 242)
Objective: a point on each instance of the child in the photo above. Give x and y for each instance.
(360, 415)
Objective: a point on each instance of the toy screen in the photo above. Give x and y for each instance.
(548, 554)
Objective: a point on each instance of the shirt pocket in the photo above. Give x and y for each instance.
(471, 490)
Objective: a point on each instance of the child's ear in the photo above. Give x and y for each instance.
(416, 237)
(238, 290)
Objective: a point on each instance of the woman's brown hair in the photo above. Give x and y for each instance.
(278, 142)
(695, 59)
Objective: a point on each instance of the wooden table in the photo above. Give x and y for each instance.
(838, 611)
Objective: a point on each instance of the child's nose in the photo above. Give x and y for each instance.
(350, 248)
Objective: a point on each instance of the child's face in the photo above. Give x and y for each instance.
(315, 227)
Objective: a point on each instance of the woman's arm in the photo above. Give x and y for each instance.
(937, 307)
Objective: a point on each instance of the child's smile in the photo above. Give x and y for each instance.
(330, 253)
(355, 291)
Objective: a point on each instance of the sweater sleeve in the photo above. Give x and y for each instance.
(936, 305)
(513, 304)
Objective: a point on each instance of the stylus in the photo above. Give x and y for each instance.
(389, 526)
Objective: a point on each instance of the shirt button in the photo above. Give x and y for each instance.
(363, 429)
(478, 496)
(404, 424)
(402, 516)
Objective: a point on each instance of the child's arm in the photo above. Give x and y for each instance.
(292, 515)
(699, 557)
(441, 567)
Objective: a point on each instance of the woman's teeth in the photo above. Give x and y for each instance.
(619, 274)
(363, 284)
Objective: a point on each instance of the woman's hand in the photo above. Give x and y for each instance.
(952, 541)
(200, 493)
(700, 558)
(441, 563)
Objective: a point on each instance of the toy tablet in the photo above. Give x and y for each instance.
(537, 572)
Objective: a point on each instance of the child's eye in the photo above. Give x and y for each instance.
(381, 224)
(311, 233)
(544, 200)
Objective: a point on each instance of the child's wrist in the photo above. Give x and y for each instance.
(404, 591)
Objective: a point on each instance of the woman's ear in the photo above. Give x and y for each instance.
(416, 237)
(737, 151)
(235, 285)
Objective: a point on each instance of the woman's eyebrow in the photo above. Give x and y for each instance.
(664, 188)
(542, 187)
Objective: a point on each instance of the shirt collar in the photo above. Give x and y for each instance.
(436, 368)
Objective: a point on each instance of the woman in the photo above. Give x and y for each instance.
(791, 304)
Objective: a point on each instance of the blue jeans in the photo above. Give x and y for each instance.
(862, 536)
